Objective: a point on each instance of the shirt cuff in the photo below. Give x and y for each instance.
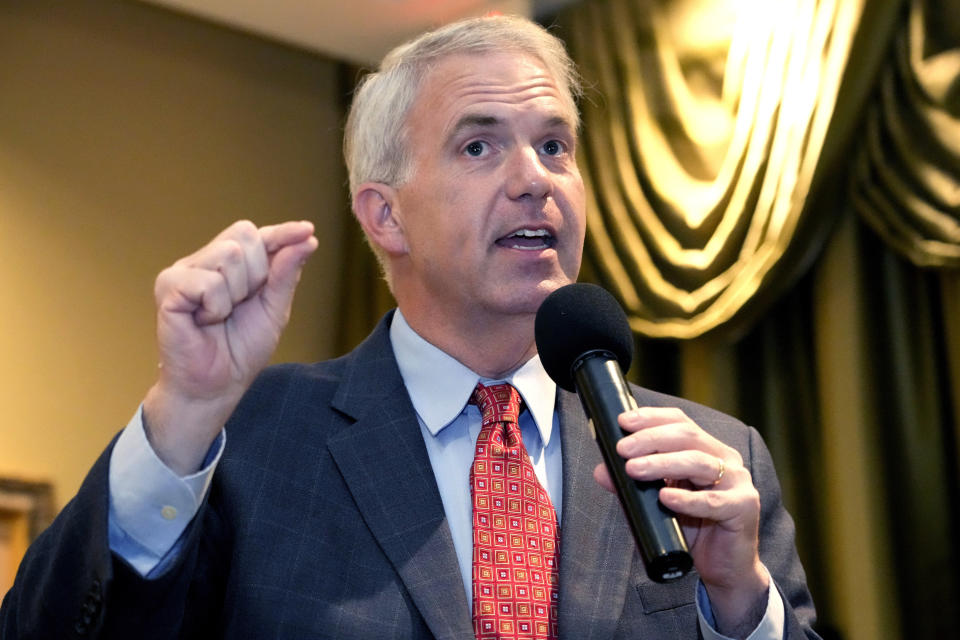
(150, 505)
(770, 628)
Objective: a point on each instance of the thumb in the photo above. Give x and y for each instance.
(286, 266)
(602, 476)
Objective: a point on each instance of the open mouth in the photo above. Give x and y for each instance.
(528, 240)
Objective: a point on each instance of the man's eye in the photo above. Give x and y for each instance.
(553, 147)
(475, 148)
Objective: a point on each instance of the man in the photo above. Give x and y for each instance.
(341, 505)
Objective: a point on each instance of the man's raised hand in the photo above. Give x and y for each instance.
(220, 314)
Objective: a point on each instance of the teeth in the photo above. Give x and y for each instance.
(529, 233)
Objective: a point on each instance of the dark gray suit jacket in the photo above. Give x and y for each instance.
(324, 521)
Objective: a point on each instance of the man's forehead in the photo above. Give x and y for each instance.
(470, 87)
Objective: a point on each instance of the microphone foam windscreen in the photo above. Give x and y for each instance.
(576, 319)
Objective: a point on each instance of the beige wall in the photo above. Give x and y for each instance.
(128, 136)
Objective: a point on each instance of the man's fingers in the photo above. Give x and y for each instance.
(244, 256)
(670, 437)
(240, 263)
(646, 417)
(662, 430)
(713, 505)
(201, 292)
(238, 253)
(229, 259)
(700, 468)
(277, 236)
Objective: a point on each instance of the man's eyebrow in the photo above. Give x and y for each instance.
(479, 121)
(474, 121)
(561, 121)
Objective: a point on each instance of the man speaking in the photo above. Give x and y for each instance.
(435, 482)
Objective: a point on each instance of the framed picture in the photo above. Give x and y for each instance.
(26, 508)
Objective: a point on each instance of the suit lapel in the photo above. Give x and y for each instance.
(386, 467)
(596, 548)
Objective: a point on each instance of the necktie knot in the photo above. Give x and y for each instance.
(497, 403)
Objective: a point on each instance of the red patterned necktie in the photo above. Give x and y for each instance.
(515, 533)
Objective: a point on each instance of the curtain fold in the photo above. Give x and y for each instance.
(912, 383)
(848, 380)
(777, 392)
(907, 183)
(700, 153)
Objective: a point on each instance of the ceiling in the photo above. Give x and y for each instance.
(359, 31)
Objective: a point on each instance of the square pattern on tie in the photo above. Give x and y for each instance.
(515, 533)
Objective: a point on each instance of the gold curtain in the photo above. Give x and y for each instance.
(907, 182)
(852, 379)
(701, 151)
(729, 149)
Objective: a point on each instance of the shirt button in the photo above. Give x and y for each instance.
(168, 512)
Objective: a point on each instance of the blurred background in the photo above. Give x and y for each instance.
(774, 196)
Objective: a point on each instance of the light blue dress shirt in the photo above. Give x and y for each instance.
(150, 506)
(440, 388)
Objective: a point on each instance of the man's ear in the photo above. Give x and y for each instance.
(374, 207)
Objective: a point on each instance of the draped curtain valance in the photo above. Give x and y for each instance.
(907, 181)
(705, 123)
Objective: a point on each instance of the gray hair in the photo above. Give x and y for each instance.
(375, 146)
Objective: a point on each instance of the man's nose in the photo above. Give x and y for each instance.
(527, 177)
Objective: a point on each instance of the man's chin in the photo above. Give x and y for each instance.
(529, 301)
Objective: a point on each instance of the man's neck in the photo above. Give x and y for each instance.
(491, 349)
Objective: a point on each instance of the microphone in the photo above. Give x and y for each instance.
(584, 338)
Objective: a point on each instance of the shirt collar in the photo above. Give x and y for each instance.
(440, 385)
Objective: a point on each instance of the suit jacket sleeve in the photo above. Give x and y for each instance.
(777, 543)
(70, 585)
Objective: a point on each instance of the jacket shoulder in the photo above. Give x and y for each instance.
(705, 416)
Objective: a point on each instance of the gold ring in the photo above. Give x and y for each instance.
(720, 469)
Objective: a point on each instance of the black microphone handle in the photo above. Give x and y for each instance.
(605, 396)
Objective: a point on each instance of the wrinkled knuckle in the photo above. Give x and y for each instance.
(750, 501)
(244, 228)
(653, 438)
(744, 475)
(714, 499)
(220, 303)
(165, 279)
(688, 429)
(161, 280)
(734, 455)
(232, 253)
